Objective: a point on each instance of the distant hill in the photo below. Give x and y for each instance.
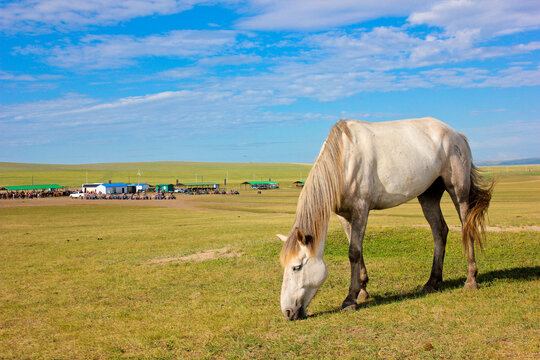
(528, 161)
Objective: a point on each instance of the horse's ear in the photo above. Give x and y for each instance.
(303, 239)
(282, 237)
(300, 236)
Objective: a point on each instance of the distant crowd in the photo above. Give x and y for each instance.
(139, 196)
(93, 196)
(32, 194)
(207, 191)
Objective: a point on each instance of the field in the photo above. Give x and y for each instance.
(199, 277)
(150, 172)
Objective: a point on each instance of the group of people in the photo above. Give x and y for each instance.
(138, 196)
(31, 195)
(93, 196)
(209, 191)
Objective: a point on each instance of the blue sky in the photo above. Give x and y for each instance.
(258, 80)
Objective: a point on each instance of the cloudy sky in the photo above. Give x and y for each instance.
(260, 80)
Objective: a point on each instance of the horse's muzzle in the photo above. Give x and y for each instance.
(299, 314)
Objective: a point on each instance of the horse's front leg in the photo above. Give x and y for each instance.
(359, 276)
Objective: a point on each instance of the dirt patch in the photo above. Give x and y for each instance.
(200, 256)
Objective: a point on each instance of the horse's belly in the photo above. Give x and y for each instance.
(391, 195)
(402, 178)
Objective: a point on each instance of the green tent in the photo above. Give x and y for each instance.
(262, 184)
(34, 187)
(165, 188)
(200, 185)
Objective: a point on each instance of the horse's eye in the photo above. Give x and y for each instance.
(296, 268)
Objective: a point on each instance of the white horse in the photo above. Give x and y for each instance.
(364, 166)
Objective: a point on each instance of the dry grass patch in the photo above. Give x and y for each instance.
(200, 256)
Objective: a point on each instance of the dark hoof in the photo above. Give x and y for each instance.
(427, 289)
(432, 286)
(348, 304)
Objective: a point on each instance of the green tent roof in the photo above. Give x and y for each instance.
(199, 184)
(259, 182)
(34, 187)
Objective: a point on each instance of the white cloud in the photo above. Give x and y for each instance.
(11, 77)
(178, 74)
(239, 59)
(108, 51)
(389, 48)
(45, 15)
(489, 17)
(182, 114)
(321, 14)
(7, 76)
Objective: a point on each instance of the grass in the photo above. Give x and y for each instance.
(152, 172)
(78, 281)
(169, 171)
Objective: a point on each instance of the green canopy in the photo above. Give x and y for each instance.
(259, 182)
(34, 187)
(199, 184)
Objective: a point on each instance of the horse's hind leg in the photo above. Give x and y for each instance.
(459, 189)
(430, 201)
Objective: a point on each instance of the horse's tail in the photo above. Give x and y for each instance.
(479, 197)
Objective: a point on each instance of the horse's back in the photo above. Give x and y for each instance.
(396, 161)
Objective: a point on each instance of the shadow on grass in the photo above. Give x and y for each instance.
(523, 273)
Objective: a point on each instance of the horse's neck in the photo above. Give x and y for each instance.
(313, 215)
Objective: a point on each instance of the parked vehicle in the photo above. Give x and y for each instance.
(77, 195)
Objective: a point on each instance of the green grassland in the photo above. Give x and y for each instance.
(170, 171)
(151, 172)
(84, 281)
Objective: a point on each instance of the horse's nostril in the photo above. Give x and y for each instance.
(289, 313)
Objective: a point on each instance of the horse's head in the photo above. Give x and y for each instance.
(304, 272)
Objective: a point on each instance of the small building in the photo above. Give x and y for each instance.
(112, 188)
(262, 185)
(90, 188)
(135, 188)
(165, 188)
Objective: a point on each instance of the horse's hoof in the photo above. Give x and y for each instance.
(362, 295)
(472, 285)
(348, 308)
(428, 289)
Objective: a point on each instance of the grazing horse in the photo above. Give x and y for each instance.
(364, 166)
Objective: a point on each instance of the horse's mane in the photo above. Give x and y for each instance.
(321, 193)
